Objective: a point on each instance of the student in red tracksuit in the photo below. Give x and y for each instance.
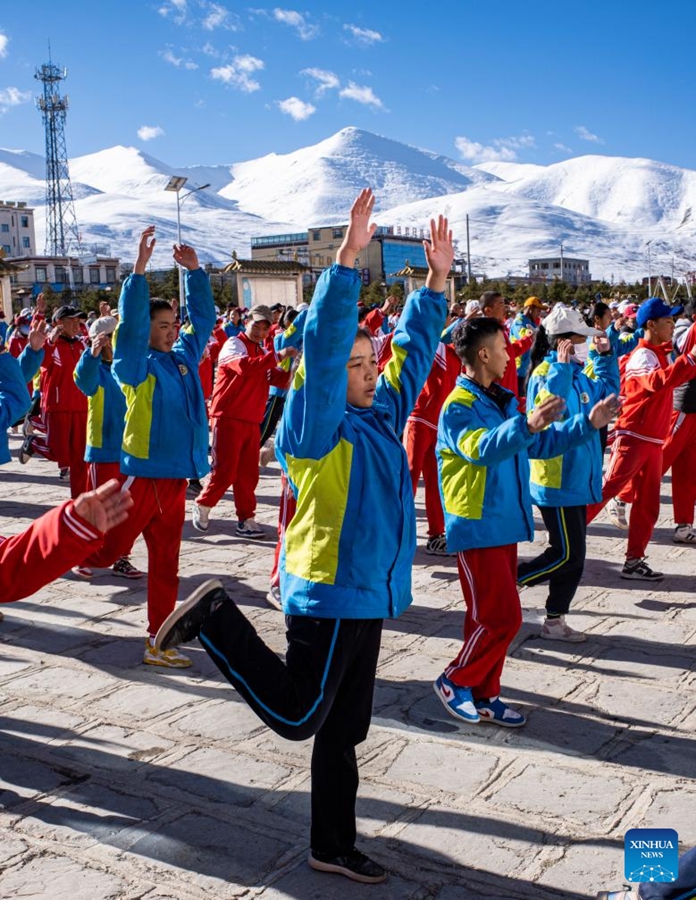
(493, 306)
(63, 403)
(420, 439)
(641, 430)
(245, 373)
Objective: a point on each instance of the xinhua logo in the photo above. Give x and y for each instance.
(651, 854)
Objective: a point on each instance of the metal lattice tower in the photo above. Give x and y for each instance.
(62, 235)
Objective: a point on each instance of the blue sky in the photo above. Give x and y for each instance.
(208, 82)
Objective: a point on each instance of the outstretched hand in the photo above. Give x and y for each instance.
(145, 249)
(185, 256)
(605, 411)
(38, 333)
(106, 507)
(548, 411)
(359, 232)
(439, 252)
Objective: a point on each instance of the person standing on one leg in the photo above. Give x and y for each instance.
(484, 445)
(348, 552)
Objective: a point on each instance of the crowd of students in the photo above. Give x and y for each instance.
(497, 414)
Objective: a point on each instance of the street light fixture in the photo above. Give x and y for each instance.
(175, 184)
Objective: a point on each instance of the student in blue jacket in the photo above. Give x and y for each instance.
(347, 556)
(562, 487)
(483, 449)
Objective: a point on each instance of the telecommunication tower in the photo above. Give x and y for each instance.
(62, 235)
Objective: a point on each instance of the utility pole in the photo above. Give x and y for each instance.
(649, 269)
(468, 252)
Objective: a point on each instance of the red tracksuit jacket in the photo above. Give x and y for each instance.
(438, 386)
(59, 393)
(245, 373)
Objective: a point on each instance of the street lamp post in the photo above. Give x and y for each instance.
(176, 182)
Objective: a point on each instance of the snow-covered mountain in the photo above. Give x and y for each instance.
(602, 208)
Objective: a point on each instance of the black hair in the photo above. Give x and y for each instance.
(363, 313)
(598, 310)
(470, 334)
(363, 333)
(288, 317)
(487, 298)
(158, 305)
(542, 344)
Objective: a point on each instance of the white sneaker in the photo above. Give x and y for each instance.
(249, 528)
(273, 597)
(684, 534)
(558, 630)
(616, 512)
(200, 517)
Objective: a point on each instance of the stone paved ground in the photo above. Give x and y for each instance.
(123, 781)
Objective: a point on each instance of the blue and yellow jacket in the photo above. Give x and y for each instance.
(348, 551)
(291, 337)
(166, 429)
(483, 450)
(575, 478)
(106, 409)
(14, 399)
(522, 326)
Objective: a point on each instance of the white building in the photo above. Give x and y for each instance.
(560, 268)
(17, 237)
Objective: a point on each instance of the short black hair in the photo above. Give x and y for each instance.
(470, 334)
(487, 298)
(157, 306)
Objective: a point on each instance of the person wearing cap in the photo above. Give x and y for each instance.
(562, 487)
(245, 372)
(165, 438)
(63, 405)
(642, 428)
(106, 413)
(484, 445)
(524, 325)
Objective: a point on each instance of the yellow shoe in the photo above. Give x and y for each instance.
(170, 659)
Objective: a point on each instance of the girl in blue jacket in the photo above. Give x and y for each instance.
(563, 487)
(347, 555)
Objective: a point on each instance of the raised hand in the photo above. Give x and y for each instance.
(359, 232)
(41, 304)
(38, 334)
(185, 256)
(550, 410)
(602, 344)
(439, 252)
(100, 341)
(288, 352)
(104, 309)
(145, 250)
(106, 507)
(564, 351)
(605, 411)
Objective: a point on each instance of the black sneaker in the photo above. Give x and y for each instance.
(27, 450)
(194, 486)
(639, 570)
(437, 546)
(354, 865)
(184, 623)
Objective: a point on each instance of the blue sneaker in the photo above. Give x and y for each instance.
(457, 700)
(494, 710)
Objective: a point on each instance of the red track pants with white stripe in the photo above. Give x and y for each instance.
(679, 455)
(286, 513)
(493, 617)
(420, 441)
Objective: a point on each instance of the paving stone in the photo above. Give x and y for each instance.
(22, 778)
(114, 748)
(452, 769)
(40, 723)
(309, 885)
(674, 809)
(10, 847)
(61, 683)
(588, 867)
(51, 877)
(648, 707)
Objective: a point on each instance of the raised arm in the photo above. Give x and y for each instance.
(132, 337)
(194, 336)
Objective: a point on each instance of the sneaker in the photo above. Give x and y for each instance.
(249, 528)
(184, 622)
(267, 454)
(64, 473)
(273, 597)
(124, 568)
(200, 517)
(457, 700)
(169, 659)
(82, 571)
(354, 865)
(437, 546)
(684, 534)
(626, 894)
(27, 427)
(194, 486)
(639, 570)
(494, 710)
(558, 630)
(26, 451)
(616, 512)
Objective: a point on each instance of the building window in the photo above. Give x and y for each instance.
(110, 275)
(5, 228)
(316, 235)
(26, 243)
(557, 265)
(77, 276)
(40, 273)
(94, 277)
(25, 221)
(61, 275)
(7, 249)
(338, 233)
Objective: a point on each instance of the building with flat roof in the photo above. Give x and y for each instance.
(17, 237)
(560, 268)
(63, 273)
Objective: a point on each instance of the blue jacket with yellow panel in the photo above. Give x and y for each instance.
(106, 408)
(291, 337)
(166, 428)
(483, 450)
(348, 551)
(522, 326)
(575, 478)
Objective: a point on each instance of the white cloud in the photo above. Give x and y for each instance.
(150, 132)
(364, 36)
(238, 73)
(326, 81)
(306, 30)
(586, 135)
(474, 152)
(177, 9)
(169, 56)
(516, 143)
(4, 41)
(562, 148)
(361, 94)
(218, 17)
(12, 96)
(296, 108)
